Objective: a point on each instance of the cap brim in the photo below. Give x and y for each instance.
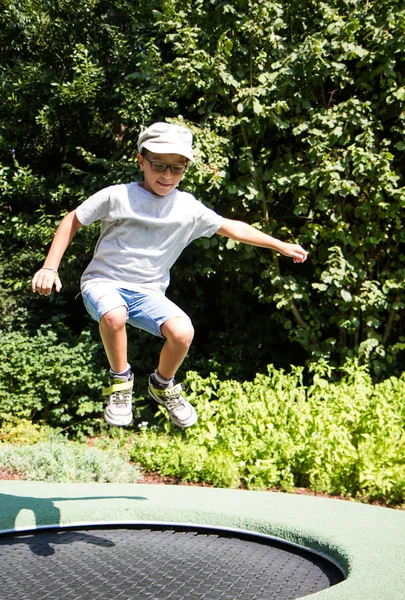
(168, 148)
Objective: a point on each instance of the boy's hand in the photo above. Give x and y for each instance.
(44, 280)
(294, 251)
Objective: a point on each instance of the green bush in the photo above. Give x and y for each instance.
(44, 379)
(62, 461)
(298, 114)
(345, 437)
(26, 432)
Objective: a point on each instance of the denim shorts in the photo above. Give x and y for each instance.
(144, 311)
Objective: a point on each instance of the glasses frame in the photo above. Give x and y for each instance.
(171, 167)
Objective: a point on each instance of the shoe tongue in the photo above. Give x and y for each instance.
(119, 380)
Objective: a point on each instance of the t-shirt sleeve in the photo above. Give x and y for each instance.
(207, 222)
(96, 207)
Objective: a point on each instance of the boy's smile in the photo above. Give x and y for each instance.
(161, 183)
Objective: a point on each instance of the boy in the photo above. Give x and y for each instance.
(144, 228)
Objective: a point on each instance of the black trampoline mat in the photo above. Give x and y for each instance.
(156, 564)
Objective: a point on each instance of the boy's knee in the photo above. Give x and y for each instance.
(178, 330)
(114, 319)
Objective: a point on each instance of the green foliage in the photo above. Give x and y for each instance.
(61, 461)
(26, 432)
(44, 379)
(310, 94)
(345, 437)
(297, 111)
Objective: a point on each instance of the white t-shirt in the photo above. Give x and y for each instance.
(142, 235)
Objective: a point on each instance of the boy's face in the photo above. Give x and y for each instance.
(161, 183)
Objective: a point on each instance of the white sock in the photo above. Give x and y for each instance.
(124, 375)
(163, 382)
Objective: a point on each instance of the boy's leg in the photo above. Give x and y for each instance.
(158, 315)
(107, 306)
(179, 334)
(114, 336)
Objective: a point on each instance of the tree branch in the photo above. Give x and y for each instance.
(390, 323)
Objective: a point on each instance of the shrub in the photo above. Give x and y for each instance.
(26, 432)
(345, 437)
(61, 461)
(44, 379)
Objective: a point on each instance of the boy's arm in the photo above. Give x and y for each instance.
(242, 232)
(47, 277)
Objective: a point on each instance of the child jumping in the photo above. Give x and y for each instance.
(144, 228)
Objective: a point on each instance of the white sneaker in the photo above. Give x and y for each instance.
(119, 408)
(181, 412)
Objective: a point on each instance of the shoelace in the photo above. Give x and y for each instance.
(174, 400)
(120, 398)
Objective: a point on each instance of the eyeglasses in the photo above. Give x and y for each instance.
(161, 167)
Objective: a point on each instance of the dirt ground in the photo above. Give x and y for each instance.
(156, 479)
(7, 474)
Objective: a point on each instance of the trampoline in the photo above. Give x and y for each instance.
(158, 562)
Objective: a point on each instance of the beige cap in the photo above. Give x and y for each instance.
(166, 138)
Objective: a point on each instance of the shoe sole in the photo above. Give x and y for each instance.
(173, 419)
(123, 422)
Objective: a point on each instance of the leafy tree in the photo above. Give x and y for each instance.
(309, 96)
(297, 111)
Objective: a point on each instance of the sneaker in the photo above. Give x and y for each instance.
(119, 408)
(181, 413)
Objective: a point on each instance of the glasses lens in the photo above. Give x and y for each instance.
(177, 169)
(157, 166)
(161, 167)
